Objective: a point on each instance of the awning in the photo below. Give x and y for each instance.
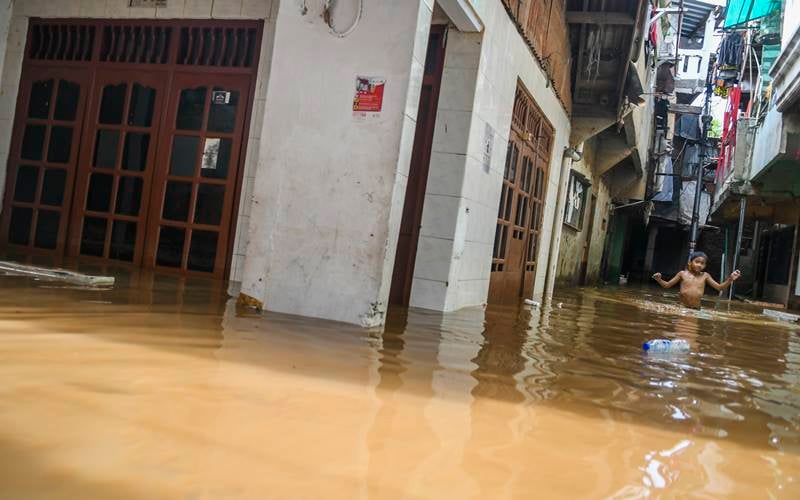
(743, 11)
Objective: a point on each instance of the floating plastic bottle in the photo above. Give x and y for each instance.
(666, 346)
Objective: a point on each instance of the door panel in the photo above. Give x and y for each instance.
(519, 216)
(43, 158)
(117, 166)
(191, 205)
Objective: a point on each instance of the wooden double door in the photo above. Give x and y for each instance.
(519, 217)
(129, 165)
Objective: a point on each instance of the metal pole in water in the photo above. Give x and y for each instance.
(724, 257)
(694, 232)
(735, 261)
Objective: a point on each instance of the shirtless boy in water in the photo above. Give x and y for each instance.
(693, 280)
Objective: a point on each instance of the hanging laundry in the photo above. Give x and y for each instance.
(691, 158)
(687, 204)
(665, 80)
(730, 51)
(688, 127)
(664, 182)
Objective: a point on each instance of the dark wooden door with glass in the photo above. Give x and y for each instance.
(128, 140)
(42, 160)
(519, 217)
(116, 166)
(192, 201)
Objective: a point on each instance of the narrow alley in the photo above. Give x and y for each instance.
(160, 388)
(379, 249)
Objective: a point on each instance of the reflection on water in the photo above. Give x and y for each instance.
(160, 388)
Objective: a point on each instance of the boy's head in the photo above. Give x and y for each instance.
(698, 261)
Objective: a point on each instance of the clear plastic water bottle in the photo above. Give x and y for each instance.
(666, 346)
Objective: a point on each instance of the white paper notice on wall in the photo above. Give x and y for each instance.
(210, 153)
(488, 147)
(148, 3)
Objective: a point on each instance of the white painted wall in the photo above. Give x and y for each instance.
(791, 20)
(454, 254)
(176, 9)
(5, 24)
(329, 189)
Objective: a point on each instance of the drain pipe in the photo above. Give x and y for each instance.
(570, 155)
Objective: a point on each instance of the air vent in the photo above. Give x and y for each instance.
(61, 42)
(135, 44)
(217, 46)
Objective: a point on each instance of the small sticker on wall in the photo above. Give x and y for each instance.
(210, 153)
(221, 97)
(488, 147)
(368, 98)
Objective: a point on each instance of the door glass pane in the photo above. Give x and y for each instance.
(69, 94)
(25, 187)
(53, 186)
(60, 144)
(19, 231)
(47, 229)
(170, 246)
(39, 104)
(222, 113)
(105, 149)
(216, 158)
(112, 104)
(129, 196)
(190, 109)
(32, 142)
(143, 100)
(202, 251)
(209, 204)
(176, 201)
(184, 155)
(134, 156)
(99, 197)
(123, 240)
(93, 238)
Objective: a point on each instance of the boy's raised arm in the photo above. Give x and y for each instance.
(725, 284)
(668, 284)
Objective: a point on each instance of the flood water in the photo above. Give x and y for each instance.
(160, 388)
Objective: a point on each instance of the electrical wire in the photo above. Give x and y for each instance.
(327, 14)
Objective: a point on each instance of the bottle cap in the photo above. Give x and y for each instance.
(646, 346)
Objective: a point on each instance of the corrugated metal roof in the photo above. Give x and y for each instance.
(695, 13)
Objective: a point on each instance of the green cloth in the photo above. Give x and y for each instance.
(741, 11)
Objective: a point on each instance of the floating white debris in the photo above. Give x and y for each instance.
(780, 315)
(55, 274)
(532, 303)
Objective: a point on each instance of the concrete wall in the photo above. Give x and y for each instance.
(329, 188)
(459, 217)
(190, 9)
(791, 20)
(572, 240)
(5, 24)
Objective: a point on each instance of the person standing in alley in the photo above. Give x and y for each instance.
(694, 279)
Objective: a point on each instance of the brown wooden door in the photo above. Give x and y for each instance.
(406, 255)
(117, 163)
(44, 152)
(191, 205)
(522, 197)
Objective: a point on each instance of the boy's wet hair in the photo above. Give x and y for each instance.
(695, 255)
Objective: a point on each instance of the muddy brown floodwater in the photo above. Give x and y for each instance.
(160, 388)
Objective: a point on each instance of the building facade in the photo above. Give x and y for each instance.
(327, 159)
(758, 184)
